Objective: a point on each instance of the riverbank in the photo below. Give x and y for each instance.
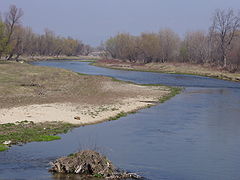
(44, 58)
(28, 131)
(173, 68)
(43, 94)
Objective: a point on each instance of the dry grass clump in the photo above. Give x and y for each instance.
(23, 84)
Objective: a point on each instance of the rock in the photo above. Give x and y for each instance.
(7, 142)
(77, 118)
(237, 78)
(89, 163)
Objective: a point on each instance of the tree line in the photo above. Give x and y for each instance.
(220, 46)
(17, 40)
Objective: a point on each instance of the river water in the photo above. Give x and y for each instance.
(193, 136)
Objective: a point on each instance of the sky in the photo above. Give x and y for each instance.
(93, 21)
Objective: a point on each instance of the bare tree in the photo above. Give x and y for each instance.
(169, 45)
(17, 40)
(22, 42)
(196, 46)
(234, 55)
(2, 38)
(148, 47)
(224, 28)
(12, 19)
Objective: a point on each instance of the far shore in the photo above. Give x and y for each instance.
(46, 58)
(172, 68)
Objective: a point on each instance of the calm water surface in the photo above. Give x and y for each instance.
(193, 136)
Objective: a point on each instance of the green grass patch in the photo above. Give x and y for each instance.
(3, 148)
(72, 155)
(47, 138)
(119, 115)
(23, 132)
(174, 92)
(82, 74)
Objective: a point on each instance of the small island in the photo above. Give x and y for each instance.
(91, 164)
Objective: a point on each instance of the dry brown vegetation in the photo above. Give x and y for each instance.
(24, 84)
(219, 47)
(62, 57)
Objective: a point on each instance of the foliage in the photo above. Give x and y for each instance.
(17, 40)
(3, 40)
(3, 148)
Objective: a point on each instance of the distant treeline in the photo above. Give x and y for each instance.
(220, 46)
(17, 40)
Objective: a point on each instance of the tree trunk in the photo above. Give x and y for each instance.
(10, 56)
(225, 61)
(18, 55)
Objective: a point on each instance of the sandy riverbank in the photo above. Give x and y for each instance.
(42, 94)
(80, 114)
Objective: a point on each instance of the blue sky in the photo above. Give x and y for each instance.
(94, 21)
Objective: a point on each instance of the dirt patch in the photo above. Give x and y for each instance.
(24, 84)
(42, 94)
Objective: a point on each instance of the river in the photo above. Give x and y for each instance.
(193, 136)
